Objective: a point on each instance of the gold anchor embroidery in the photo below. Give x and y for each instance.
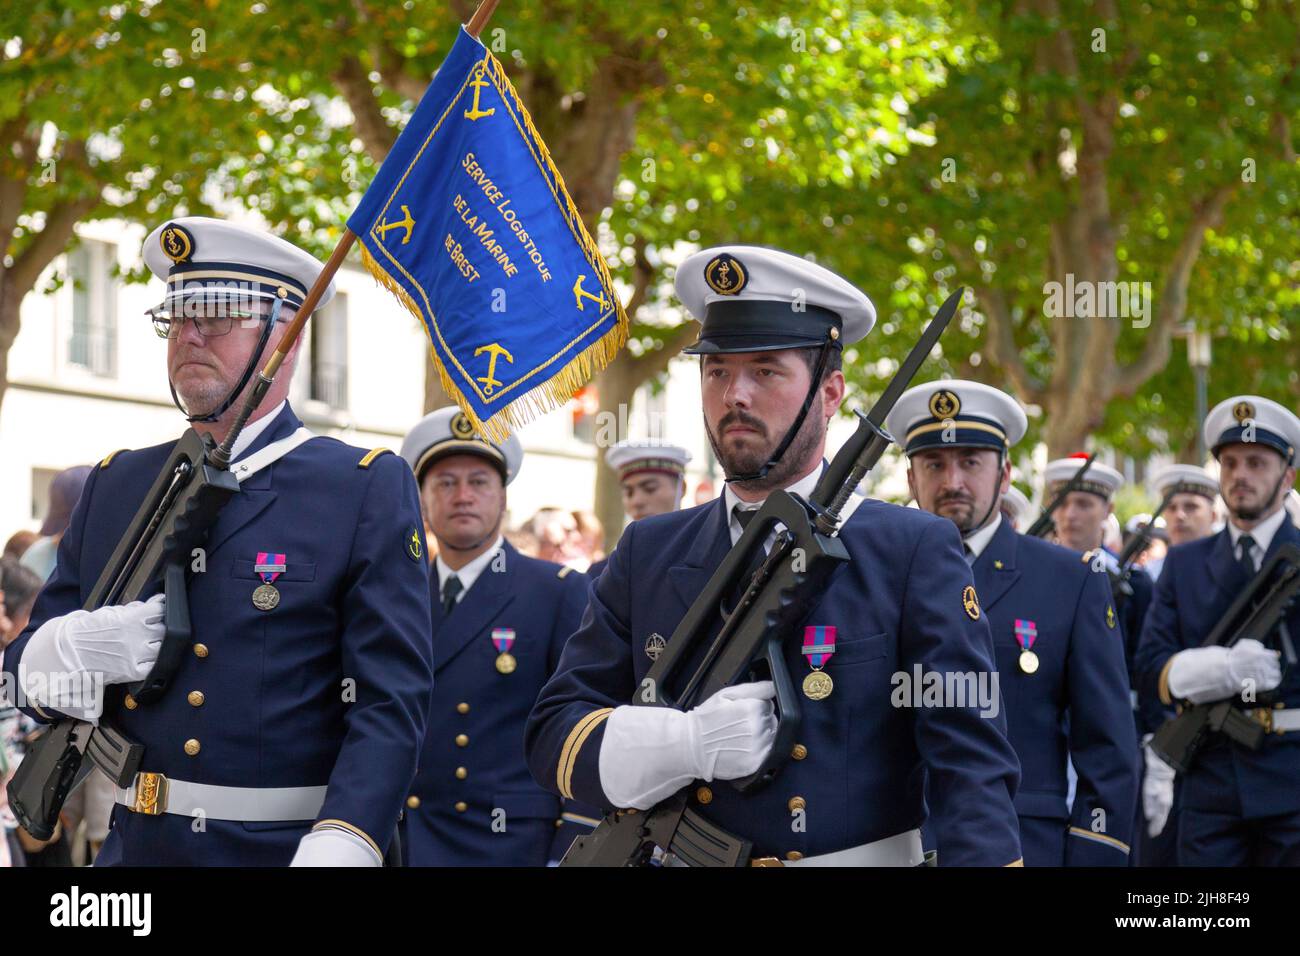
(474, 113)
(405, 223)
(579, 294)
(493, 349)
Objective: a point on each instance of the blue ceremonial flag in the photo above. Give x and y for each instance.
(468, 223)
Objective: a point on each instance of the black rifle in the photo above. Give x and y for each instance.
(1141, 540)
(747, 642)
(1121, 580)
(174, 519)
(1259, 612)
(1046, 524)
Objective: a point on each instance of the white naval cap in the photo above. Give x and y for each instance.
(1140, 521)
(1192, 479)
(956, 414)
(200, 255)
(447, 431)
(1250, 419)
(1018, 504)
(630, 457)
(1100, 479)
(754, 299)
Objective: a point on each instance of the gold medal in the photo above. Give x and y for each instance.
(1028, 661)
(818, 685)
(266, 597)
(506, 663)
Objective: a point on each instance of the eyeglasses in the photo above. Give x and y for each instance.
(209, 321)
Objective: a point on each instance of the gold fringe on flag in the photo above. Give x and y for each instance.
(551, 394)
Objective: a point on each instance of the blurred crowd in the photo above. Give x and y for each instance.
(28, 560)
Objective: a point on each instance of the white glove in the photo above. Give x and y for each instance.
(334, 847)
(118, 644)
(1157, 790)
(649, 753)
(1204, 674)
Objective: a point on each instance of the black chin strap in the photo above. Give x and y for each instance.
(243, 380)
(997, 499)
(822, 358)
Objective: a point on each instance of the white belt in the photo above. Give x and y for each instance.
(152, 794)
(1275, 721)
(247, 467)
(903, 849)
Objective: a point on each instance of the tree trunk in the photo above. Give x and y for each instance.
(615, 388)
(434, 395)
(9, 306)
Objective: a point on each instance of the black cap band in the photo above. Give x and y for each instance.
(757, 325)
(1262, 436)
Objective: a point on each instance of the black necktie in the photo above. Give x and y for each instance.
(744, 516)
(1245, 546)
(970, 555)
(451, 588)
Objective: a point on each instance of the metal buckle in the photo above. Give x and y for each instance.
(150, 794)
(766, 861)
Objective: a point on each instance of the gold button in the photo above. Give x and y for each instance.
(192, 746)
(131, 702)
(196, 698)
(797, 803)
(799, 752)
(461, 773)
(559, 823)
(704, 795)
(461, 806)
(794, 855)
(200, 650)
(413, 802)
(462, 740)
(462, 708)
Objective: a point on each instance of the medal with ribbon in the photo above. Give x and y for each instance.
(818, 648)
(1026, 634)
(503, 638)
(269, 567)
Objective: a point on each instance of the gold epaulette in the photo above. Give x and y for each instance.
(110, 456)
(372, 455)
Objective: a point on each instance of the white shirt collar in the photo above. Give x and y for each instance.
(803, 487)
(1263, 534)
(978, 541)
(249, 433)
(470, 572)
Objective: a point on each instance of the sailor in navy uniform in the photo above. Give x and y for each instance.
(500, 620)
(1189, 517)
(1080, 526)
(1240, 807)
(1017, 510)
(905, 608)
(652, 476)
(1059, 651)
(291, 730)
